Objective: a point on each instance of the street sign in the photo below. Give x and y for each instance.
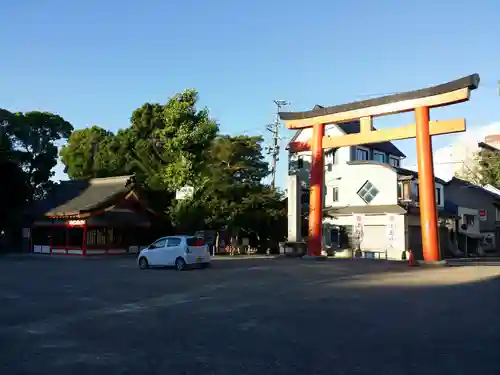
(185, 192)
(483, 216)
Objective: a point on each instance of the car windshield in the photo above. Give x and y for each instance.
(195, 241)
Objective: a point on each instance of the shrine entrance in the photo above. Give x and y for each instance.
(418, 101)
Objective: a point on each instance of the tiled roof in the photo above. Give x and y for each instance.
(75, 197)
(474, 187)
(405, 174)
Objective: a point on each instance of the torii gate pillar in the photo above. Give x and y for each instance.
(426, 187)
(316, 191)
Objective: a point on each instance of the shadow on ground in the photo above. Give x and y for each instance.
(248, 317)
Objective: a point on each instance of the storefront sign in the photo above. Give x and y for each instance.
(76, 223)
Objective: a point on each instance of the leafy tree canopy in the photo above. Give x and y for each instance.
(13, 195)
(32, 137)
(482, 169)
(85, 154)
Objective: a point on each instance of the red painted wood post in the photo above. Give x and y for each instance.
(316, 191)
(84, 240)
(426, 186)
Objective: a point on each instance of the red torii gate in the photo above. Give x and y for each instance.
(419, 101)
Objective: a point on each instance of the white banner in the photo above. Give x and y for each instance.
(391, 227)
(358, 225)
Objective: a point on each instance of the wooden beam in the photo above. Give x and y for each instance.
(448, 98)
(365, 124)
(299, 146)
(385, 135)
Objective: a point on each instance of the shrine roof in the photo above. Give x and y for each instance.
(75, 197)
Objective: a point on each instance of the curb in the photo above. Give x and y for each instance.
(314, 257)
(432, 264)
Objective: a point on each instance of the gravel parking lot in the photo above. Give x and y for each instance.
(257, 316)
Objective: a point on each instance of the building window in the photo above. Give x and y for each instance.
(361, 154)
(416, 192)
(330, 156)
(394, 161)
(468, 220)
(379, 156)
(300, 162)
(330, 159)
(368, 192)
(304, 197)
(99, 237)
(400, 190)
(335, 194)
(438, 196)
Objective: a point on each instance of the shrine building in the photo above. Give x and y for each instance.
(101, 216)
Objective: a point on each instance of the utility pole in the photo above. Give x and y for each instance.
(274, 149)
(94, 151)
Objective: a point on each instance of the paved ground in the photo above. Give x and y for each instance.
(89, 316)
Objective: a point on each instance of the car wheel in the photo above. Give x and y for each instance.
(180, 264)
(143, 263)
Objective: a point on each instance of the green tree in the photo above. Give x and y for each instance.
(140, 146)
(165, 147)
(5, 137)
(184, 141)
(482, 169)
(13, 195)
(87, 154)
(13, 191)
(233, 196)
(34, 138)
(488, 167)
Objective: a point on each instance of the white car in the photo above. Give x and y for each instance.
(178, 251)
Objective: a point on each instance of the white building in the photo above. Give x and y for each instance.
(365, 182)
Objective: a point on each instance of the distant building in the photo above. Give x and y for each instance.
(478, 214)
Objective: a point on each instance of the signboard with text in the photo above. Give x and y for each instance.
(391, 228)
(483, 216)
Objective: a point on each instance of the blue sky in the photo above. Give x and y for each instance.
(94, 62)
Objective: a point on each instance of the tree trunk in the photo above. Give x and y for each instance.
(217, 240)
